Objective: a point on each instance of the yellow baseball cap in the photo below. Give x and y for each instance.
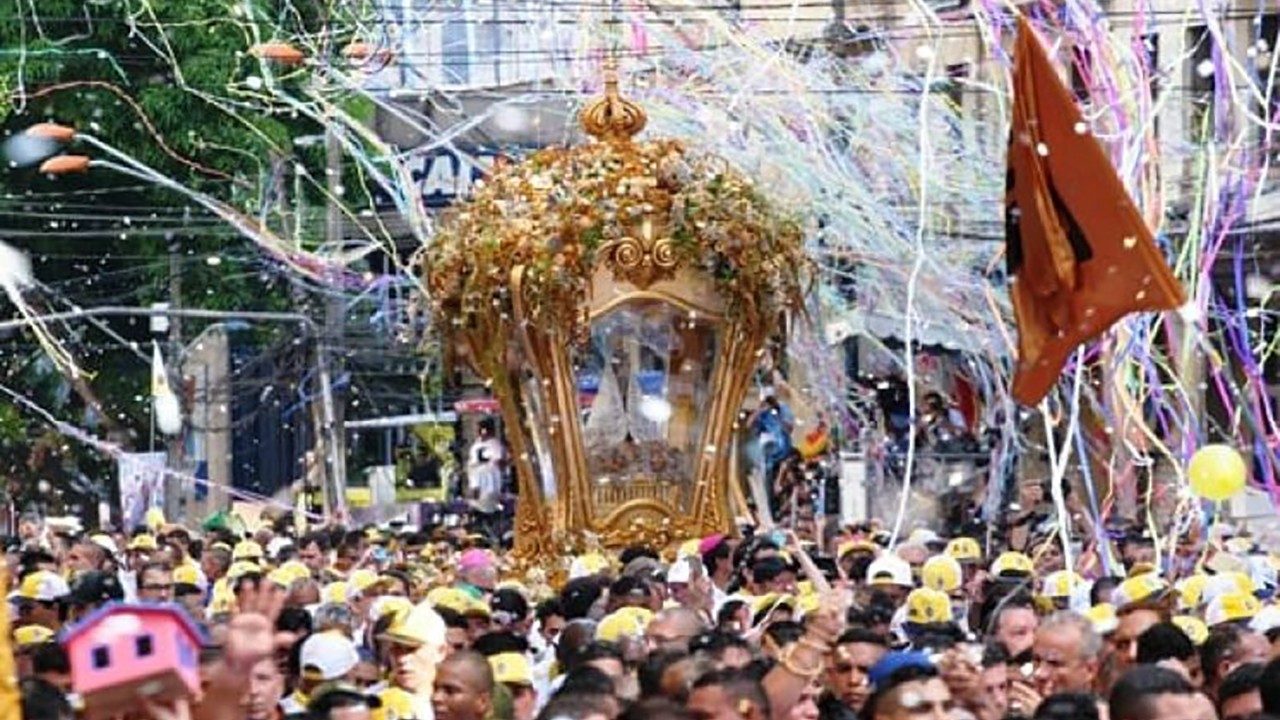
(1190, 590)
(1061, 584)
(144, 542)
(420, 626)
(1104, 619)
(222, 600)
(1148, 587)
(623, 622)
(362, 580)
(334, 592)
(247, 550)
(964, 549)
(241, 568)
(30, 635)
(926, 606)
(389, 604)
(1230, 607)
(769, 602)
(511, 668)
(853, 546)
(1194, 628)
(41, 586)
(1014, 564)
(186, 575)
(942, 572)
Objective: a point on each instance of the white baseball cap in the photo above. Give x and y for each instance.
(41, 586)
(1266, 620)
(681, 572)
(277, 544)
(330, 655)
(890, 570)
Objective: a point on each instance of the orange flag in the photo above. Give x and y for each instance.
(1080, 254)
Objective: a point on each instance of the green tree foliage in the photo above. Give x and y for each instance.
(171, 84)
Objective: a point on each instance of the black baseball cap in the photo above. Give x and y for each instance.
(336, 695)
(510, 602)
(95, 587)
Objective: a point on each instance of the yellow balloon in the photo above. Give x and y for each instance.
(1217, 472)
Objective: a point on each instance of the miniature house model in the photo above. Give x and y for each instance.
(126, 651)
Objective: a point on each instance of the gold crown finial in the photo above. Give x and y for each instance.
(612, 117)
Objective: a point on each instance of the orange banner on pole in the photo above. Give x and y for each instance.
(1080, 254)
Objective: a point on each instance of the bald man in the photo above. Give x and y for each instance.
(673, 628)
(463, 688)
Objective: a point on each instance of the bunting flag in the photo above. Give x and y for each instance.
(159, 375)
(1080, 255)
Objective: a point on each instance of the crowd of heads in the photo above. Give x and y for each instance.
(396, 623)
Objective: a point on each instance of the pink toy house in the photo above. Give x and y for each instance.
(126, 651)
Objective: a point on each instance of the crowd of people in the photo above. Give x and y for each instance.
(401, 623)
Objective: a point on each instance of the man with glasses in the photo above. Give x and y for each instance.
(155, 583)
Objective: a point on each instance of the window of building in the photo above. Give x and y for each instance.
(143, 646)
(1200, 85)
(101, 657)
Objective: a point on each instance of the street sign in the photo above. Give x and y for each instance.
(443, 175)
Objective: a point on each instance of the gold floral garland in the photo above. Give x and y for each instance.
(555, 212)
(564, 209)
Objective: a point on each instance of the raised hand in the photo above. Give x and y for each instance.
(251, 632)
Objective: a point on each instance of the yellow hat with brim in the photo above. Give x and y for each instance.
(31, 635)
(449, 598)
(361, 581)
(1103, 617)
(144, 542)
(1013, 564)
(511, 668)
(1193, 627)
(241, 568)
(420, 626)
(389, 605)
(222, 600)
(964, 549)
(943, 573)
(1061, 584)
(1231, 607)
(926, 606)
(1190, 590)
(186, 575)
(1146, 588)
(247, 550)
(334, 592)
(856, 546)
(623, 622)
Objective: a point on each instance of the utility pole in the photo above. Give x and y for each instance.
(334, 328)
(173, 490)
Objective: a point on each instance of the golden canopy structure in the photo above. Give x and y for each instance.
(617, 297)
